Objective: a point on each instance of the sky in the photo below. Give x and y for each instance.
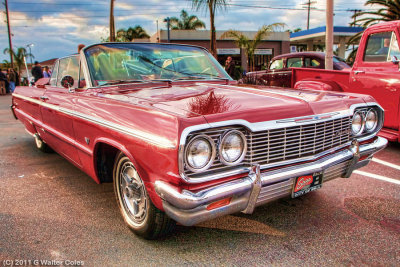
(56, 27)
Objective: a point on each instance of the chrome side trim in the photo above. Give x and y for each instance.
(148, 137)
(54, 132)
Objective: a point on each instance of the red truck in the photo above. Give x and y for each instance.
(375, 72)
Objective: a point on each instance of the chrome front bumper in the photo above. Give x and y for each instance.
(258, 188)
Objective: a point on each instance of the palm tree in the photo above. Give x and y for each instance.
(127, 35)
(6, 64)
(212, 6)
(19, 57)
(389, 10)
(250, 45)
(186, 22)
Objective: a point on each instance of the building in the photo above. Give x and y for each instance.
(274, 44)
(312, 37)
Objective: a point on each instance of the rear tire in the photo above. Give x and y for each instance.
(139, 213)
(41, 145)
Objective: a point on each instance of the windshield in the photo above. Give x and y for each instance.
(129, 62)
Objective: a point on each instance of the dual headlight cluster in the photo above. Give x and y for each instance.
(364, 121)
(201, 150)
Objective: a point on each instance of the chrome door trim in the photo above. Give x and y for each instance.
(148, 137)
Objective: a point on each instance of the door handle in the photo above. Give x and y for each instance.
(358, 72)
(44, 98)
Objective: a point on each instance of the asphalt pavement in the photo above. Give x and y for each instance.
(50, 210)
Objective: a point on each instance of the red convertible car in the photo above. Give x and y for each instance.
(182, 143)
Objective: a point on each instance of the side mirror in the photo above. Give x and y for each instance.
(67, 82)
(395, 60)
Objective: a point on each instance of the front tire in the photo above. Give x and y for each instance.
(139, 213)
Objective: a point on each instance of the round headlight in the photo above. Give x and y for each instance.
(232, 148)
(371, 120)
(357, 124)
(200, 153)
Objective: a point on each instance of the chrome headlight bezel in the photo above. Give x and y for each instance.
(375, 125)
(361, 130)
(221, 144)
(211, 155)
(366, 133)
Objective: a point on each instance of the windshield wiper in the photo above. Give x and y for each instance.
(113, 82)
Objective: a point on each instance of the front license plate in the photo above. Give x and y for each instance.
(307, 183)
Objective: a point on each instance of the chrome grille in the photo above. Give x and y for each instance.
(299, 141)
(275, 145)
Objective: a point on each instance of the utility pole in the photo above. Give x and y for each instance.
(9, 34)
(308, 4)
(168, 29)
(329, 35)
(112, 26)
(356, 11)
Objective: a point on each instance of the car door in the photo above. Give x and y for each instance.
(374, 73)
(59, 103)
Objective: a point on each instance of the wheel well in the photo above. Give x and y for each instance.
(105, 158)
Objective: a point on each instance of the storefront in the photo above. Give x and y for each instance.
(276, 43)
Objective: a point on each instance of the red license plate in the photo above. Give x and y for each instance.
(307, 183)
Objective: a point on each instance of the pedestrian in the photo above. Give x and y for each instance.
(46, 72)
(11, 80)
(230, 66)
(37, 71)
(3, 79)
(18, 79)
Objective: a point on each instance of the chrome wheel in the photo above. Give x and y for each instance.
(133, 193)
(134, 202)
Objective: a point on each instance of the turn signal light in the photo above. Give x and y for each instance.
(219, 203)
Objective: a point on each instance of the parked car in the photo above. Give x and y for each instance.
(182, 143)
(375, 72)
(279, 72)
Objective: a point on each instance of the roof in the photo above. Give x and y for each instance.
(49, 62)
(338, 31)
(204, 35)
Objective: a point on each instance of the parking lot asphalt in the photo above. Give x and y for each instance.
(50, 210)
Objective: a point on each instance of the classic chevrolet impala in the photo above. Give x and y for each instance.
(182, 143)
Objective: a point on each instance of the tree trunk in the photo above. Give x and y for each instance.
(213, 41)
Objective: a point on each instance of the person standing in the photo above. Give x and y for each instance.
(11, 80)
(230, 66)
(18, 79)
(46, 72)
(3, 78)
(37, 71)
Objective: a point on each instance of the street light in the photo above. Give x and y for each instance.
(30, 52)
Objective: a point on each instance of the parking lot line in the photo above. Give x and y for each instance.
(394, 166)
(378, 177)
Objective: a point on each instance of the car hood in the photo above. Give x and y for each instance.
(216, 102)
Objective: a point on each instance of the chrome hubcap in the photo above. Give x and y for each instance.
(133, 193)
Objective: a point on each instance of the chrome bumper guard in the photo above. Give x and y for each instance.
(257, 188)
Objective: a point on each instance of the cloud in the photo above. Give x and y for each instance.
(56, 26)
